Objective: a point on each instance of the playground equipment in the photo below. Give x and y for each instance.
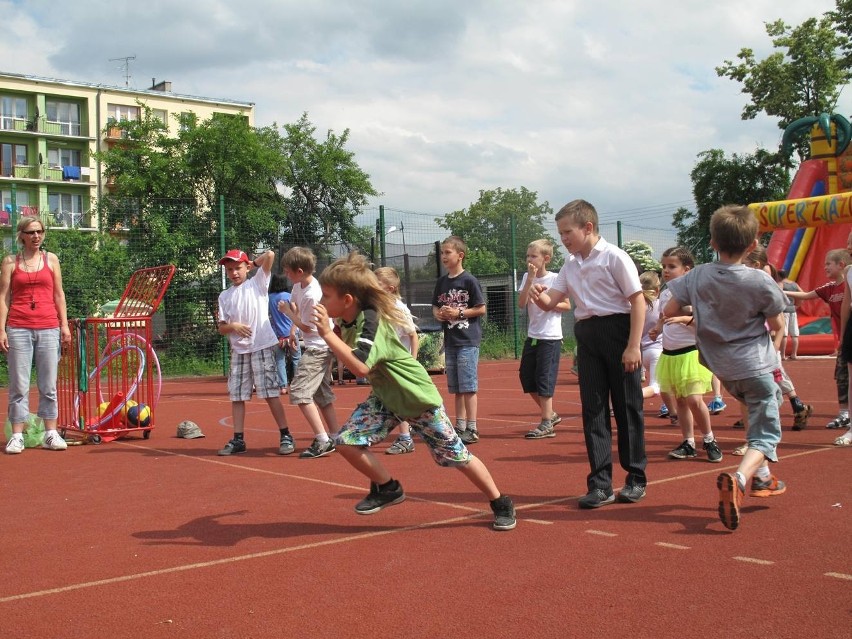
(111, 369)
(817, 216)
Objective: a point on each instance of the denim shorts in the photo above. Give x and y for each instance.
(762, 397)
(462, 363)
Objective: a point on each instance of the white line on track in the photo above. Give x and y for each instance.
(755, 560)
(839, 575)
(664, 544)
(601, 533)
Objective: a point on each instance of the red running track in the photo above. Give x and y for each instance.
(162, 538)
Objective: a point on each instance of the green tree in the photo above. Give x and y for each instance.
(716, 181)
(325, 187)
(486, 229)
(802, 77)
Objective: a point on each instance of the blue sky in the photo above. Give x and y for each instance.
(609, 100)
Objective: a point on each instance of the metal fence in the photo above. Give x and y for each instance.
(98, 263)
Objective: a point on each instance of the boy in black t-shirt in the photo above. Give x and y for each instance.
(458, 304)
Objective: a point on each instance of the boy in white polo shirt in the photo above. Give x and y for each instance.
(603, 283)
(543, 346)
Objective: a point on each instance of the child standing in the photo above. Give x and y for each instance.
(401, 388)
(603, 283)
(543, 345)
(244, 318)
(311, 388)
(458, 303)
(733, 337)
(832, 293)
(679, 371)
(389, 280)
(652, 339)
(791, 317)
(288, 343)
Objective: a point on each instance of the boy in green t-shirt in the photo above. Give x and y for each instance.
(401, 388)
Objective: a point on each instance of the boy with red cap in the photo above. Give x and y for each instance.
(244, 318)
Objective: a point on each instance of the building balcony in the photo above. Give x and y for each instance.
(67, 174)
(51, 219)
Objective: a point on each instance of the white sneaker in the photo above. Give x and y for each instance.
(15, 446)
(53, 441)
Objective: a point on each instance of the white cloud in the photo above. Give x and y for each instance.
(608, 100)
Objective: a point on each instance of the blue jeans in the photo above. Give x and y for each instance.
(281, 357)
(462, 364)
(762, 397)
(25, 346)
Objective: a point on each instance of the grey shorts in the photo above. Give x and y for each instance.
(253, 371)
(312, 380)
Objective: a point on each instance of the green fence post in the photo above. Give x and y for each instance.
(225, 353)
(618, 234)
(513, 230)
(382, 254)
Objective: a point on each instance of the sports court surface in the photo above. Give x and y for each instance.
(163, 538)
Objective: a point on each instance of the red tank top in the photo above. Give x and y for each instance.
(32, 297)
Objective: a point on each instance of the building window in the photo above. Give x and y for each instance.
(160, 114)
(57, 158)
(63, 115)
(13, 112)
(119, 112)
(12, 155)
(66, 209)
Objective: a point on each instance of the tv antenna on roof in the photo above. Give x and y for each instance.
(125, 64)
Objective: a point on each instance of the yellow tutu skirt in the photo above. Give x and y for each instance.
(682, 375)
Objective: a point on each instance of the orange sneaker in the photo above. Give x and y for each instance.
(767, 488)
(730, 498)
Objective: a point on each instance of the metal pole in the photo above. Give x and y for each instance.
(225, 353)
(382, 253)
(515, 316)
(618, 231)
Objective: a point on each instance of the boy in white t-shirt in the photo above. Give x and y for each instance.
(543, 346)
(244, 318)
(311, 388)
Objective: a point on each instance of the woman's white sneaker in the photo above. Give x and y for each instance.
(53, 441)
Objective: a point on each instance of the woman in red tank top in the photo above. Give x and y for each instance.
(33, 327)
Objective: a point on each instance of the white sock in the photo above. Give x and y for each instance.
(322, 437)
(471, 425)
(691, 441)
(844, 413)
(709, 437)
(461, 425)
(740, 480)
(763, 473)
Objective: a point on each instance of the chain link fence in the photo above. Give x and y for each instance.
(97, 264)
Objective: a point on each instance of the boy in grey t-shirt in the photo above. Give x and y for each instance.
(734, 308)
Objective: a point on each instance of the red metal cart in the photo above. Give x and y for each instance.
(109, 380)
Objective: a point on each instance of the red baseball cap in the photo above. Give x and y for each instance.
(235, 255)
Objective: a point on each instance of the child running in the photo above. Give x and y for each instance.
(679, 371)
(389, 280)
(734, 340)
(543, 346)
(401, 388)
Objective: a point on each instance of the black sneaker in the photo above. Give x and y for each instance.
(234, 447)
(504, 513)
(596, 498)
(380, 497)
(684, 451)
(317, 449)
(286, 446)
(714, 453)
(631, 494)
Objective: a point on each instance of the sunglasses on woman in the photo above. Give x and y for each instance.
(40, 232)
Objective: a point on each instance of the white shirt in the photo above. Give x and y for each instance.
(305, 298)
(676, 335)
(543, 324)
(248, 304)
(602, 283)
(404, 332)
